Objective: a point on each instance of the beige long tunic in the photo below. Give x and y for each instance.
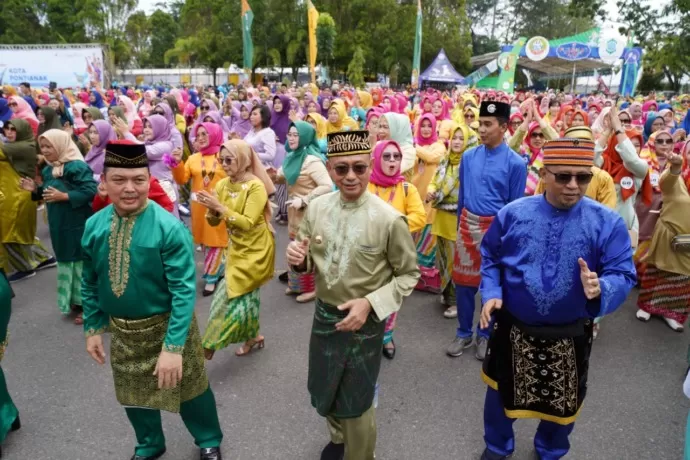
(360, 249)
(313, 181)
(674, 220)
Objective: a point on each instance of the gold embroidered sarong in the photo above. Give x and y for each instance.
(134, 350)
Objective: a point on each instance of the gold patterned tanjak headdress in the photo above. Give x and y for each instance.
(345, 143)
(125, 154)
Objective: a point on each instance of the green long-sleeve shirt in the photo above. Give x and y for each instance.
(137, 267)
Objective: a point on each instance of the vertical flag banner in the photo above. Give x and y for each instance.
(247, 44)
(416, 60)
(313, 17)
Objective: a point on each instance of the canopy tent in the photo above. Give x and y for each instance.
(564, 58)
(441, 71)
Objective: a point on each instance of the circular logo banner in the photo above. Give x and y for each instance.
(611, 48)
(537, 48)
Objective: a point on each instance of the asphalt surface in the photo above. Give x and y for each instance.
(430, 405)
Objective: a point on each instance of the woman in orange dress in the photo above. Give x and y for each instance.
(205, 171)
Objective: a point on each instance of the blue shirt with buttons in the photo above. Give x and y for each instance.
(490, 179)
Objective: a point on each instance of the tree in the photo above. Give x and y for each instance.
(214, 25)
(664, 33)
(20, 22)
(184, 52)
(164, 30)
(137, 32)
(60, 16)
(355, 71)
(325, 38)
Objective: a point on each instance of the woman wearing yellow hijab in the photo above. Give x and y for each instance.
(338, 119)
(319, 124)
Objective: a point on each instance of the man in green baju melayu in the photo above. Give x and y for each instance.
(139, 284)
(365, 261)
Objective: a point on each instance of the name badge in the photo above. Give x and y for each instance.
(627, 183)
(654, 179)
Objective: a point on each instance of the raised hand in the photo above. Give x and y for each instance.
(297, 252)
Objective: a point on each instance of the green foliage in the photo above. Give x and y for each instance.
(664, 33)
(355, 70)
(325, 38)
(20, 23)
(137, 32)
(164, 31)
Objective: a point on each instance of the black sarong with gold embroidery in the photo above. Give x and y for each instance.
(540, 371)
(134, 350)
(343, 366)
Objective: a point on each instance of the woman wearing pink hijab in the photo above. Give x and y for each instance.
(145, 106)
(136, 127)
(22, 110)
(387, 183)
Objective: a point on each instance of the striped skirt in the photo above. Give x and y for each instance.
(281, 199)
(214, 264)
(69, 285)
(233, 320)
(390, 327)
(665, 294)
(426, 246)
(300, 283)
(26, 257)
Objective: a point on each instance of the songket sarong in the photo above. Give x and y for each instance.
(467, 259)
(425, 243)
(135, 347)
(26, 257)
(540, 371)
(231, 320)
(343, 366)
(664, 294)
(300, 283)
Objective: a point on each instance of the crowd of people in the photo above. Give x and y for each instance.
(551, 206)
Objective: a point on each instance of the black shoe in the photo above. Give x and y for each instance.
(488, 455)
(20, 276)
(151, 457)
(50, 263)
(17, 424)
(210, 453)
(283, 277)
(389, 352)
(333, 452)
(208, 292)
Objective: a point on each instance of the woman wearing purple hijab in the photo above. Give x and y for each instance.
(325, 105)
(242, 125)
(100, 133)
(166, 112)
(280, 124)
(158, 141)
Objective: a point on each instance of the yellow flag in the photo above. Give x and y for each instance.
(313, 17)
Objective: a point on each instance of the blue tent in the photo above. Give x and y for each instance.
(441, 70)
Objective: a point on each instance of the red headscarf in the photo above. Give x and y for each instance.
(215, 138)
(561, 115)
(583, 114)
(377, 96)
(613, 164)
(392, 103)
(378, 177)
(685, 173)
(421, 140)
(515, 116)
(528, 142)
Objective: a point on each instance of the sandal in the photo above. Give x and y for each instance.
(249, 346)
(306, 297)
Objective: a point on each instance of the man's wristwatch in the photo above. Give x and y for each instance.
(619, 131)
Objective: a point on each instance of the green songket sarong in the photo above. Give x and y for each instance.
(343, 366)
(135, 347)
(8, 411)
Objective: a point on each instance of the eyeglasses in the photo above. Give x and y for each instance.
(343, 169)
(204, 107)
(537, 135)
(565, 178)
(12, 104)
(394, 156)
(469, 116)
(11, 128)
(663, 141)
(227, 161)
(159, 113)
(625, 120)
(515, 123)
(685, 101)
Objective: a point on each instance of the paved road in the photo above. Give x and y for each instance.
(430, 406)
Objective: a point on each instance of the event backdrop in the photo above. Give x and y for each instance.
(68, 67)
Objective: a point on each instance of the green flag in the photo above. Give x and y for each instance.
(247, 44)
(416, 60)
